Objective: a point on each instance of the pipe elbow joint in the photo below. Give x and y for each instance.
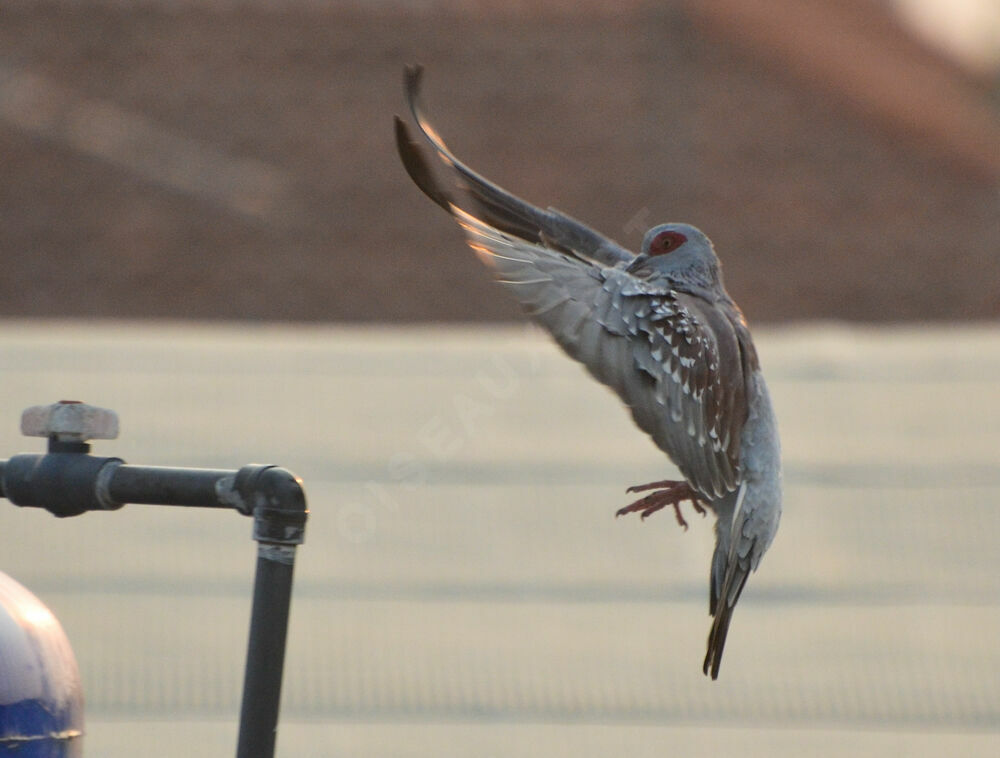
(276, 499)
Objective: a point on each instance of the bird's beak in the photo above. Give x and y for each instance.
(637, 267)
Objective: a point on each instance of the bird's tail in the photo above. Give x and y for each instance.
(735, 579)
(730, 571)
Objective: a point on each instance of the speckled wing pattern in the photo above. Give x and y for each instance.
(660, 352)
(665, 352)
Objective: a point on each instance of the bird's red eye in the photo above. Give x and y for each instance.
(665, 242)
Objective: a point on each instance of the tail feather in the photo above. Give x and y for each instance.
(723, 613)
(730, 571)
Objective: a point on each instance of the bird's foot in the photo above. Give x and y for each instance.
(668, 492)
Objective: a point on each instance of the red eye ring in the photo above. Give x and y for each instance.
(666, 242)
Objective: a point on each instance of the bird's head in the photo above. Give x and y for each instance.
(680, 253)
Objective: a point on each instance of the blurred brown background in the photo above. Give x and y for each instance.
(234, 159)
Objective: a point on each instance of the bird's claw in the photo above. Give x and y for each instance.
(670, 493)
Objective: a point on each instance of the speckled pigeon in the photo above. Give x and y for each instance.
(660, 330)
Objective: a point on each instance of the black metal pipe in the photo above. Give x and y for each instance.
(68, 484)
(279, 510)
(160, 485)
(266, 651)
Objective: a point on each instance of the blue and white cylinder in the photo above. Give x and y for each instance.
(41, 699)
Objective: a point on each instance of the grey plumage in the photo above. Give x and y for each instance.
(658, 328)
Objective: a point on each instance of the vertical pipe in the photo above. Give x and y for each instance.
(266, 650)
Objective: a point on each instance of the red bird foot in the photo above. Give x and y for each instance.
(667, 493)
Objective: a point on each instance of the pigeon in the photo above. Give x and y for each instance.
(658, 328)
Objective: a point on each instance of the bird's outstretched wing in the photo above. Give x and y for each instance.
(493, 204)
(664, 352)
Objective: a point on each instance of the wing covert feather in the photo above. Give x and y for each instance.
(661, 354)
